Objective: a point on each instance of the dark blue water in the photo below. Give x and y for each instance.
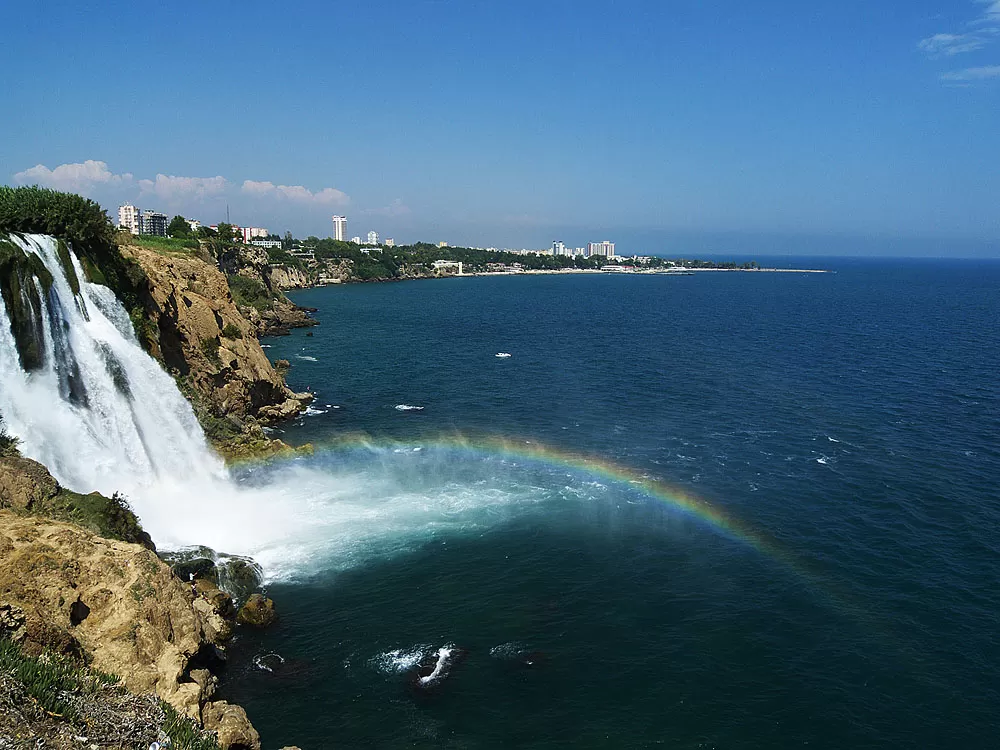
(848, 419)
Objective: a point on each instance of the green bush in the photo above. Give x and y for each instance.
(249, 292)
(232, 331)
(8, 442)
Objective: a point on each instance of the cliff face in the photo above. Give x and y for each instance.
(212, 348)
(113, 603)
(287, 277)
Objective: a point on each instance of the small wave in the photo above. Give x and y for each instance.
(832, 440)
(502, 355)
(268, 662)
(822, 460)
(311, 411)
(306, 357)
(407, 407)
(399, 660)
(265, 346)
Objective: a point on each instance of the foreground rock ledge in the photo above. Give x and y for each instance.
(117, 605)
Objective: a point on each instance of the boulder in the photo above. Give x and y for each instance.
(258, 612)
(231, 725)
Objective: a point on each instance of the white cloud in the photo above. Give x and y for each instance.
(172, 188)
(296, 193)
(985, 73)
(951, 44)
(947, 45)
(395, 209)
(77, 177)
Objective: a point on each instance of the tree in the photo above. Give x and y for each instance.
(179, 228)
(206, 233)
(226, 233)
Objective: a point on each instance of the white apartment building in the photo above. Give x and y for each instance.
(606, 248)
(559, 248)
(251, 233)
(129, 217)
(356, 240)
(373, 237)
(339, 228)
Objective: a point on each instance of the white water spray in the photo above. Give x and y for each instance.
(125, 427)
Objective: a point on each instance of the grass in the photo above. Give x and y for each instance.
(163, 244)
(57, 683)
(50, 679)
(110, 517)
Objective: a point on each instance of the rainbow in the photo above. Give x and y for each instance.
(531, 451)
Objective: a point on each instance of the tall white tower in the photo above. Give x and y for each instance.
(339, 227)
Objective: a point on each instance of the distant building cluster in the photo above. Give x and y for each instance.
(137, 221)
(606, 248)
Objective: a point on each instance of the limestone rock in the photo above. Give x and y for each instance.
(24, 482)
(230, 375)
(230, 723)
(258, 612)
(138, 621)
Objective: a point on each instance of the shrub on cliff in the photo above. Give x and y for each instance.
(249, 292)
(84, 224)
(8, 442)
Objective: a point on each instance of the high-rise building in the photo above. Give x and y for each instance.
(356, 240)
(373, 237)
(390, 242)
(153, 222)
(339, 227)
(559, 248)
(129, 218)
(605, 248)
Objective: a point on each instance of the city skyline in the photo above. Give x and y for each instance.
(829, 129)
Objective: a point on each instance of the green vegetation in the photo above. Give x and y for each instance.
(231, 331)
(210, 348)
(8, 442)
(249, 292)
(50, 679)
(182, 246)
(179, 228)
(85, 228)
(110, 517)
(58, 688)
(184, 733)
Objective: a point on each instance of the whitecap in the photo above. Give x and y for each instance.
(399, 660)
(407, 407)
(306, 357)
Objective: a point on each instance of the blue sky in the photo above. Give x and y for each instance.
(847, 127)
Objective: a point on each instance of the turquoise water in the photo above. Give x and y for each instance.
(846, 421)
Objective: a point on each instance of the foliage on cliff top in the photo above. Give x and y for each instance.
(110, 517)
(84, 224)
(66, 215)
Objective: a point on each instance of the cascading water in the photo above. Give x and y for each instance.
(101, 414)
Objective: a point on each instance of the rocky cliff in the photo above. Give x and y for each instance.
(212, 349)
(111, 604)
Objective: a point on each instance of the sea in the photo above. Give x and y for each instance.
(719, 511)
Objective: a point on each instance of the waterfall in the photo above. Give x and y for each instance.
(101, 414)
